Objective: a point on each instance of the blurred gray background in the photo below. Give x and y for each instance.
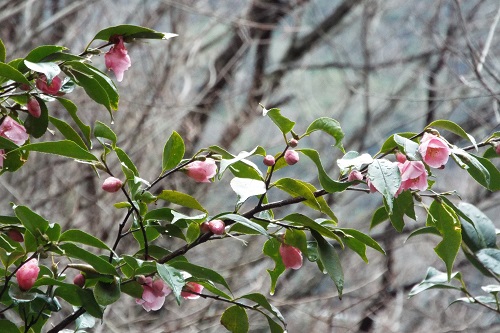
(377, 66)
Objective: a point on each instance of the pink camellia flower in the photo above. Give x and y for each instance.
(291, 157)
(191, 287)
(34, 108)
(217, 227)
(117, 58)
(413, 176)
(202, 171)
(52, 88)
(434, 150)
(354, 175)
(153, 294)
(12, 130)
(112, 185)
(27, 274)
(291, 256)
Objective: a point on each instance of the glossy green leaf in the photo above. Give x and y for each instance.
(68, 132)
(490, 258)
(390, 144)
(297, 188)
(181, 199)
(386, 178)
(12, 73)
(408, 147)
(353, 159)
(89, 303)
(435, 279)
(424, 231)
(246, 188)
(241, 169)
(125, 159)
(6, 325)
(262, 301)
(81, 237)
(9, 220)
(331, 261)
(99, 264)
(173, 152)
(324, 207)
(452, 127)
(271, 249)
(50, 69)
(474, 167)
(33, 222)
(444, 219)
(131, 31)
(102, 130)
(364, 238)
(284, 124)
(201, 272)
(296, 238)
(235, 319)
(326, 182)
(403, 205)
(226, 162)
(92, 87)
(72, 110)
(302, 220)
(39, 54)
(133, 289)
(273, 326)
(37, 127)
(2, 51)
(491, 174)
(173, 278)
(192, 233)
(479, 235)
(107, 293)
(329, 126)
(244, 221)
(53, 232)
(64, 148)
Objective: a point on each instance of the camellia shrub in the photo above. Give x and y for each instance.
(401, 173)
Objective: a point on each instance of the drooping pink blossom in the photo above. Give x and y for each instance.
(52, 88)
(27, 274)
(434, 150)
(12, 130)
(355, 175)
(413, 176)
(117, 58)
(202, 171)
(291, 256)
(112, 184)
(153, 294)
(291, 157)
(191, 287)
(34, 107)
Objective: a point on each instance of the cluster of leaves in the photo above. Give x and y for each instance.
(151, 215)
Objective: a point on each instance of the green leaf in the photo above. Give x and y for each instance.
(3, 54)
(131, 31)
(50, 69)
(244, 221)
(181, 199)
(246, 188)
(226, 162)
(284, 124)
(193, 232)
(386, 178)
(390, 144)
(173, 278)
(326, 182)
(6, 325)
(296, 238)
(379, 216)
(444, 219)
(37, 127)
(408, 147)
(201, 272)
(173, 152)
(262, 301)
(68, 132)
(491, 174)
(125, 159)
(64, 148)
(133, 289)
(302, 220)
(474, 167)
(107, 293)
(89, 303)
(271, 249)
(33, 222)
(12, 73)
(81, 237)
(365, 239)
(403, 205)
(99, 264)
(297, 188)
(39, 53)
(435, 279)
(352, 159)
(490, 258)
(331, 261)
(102, 130)
(452, 127)
(424, 231)
(241, 169)
(479, 235)
(72, 110)
(329, 126)
(92, 87)
(9, 220)
(235, 319)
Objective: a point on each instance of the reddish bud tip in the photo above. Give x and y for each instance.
(401, 157)
(79, 280)
(15, 235)
(217, 227)
(293, 143)
(34, 108)
(291, 157)
(204, 227)
(269, 160)
(112, 184)
(497, 149)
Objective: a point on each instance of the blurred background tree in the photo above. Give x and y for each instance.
(377, 66)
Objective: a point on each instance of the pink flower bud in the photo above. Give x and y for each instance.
(15, 235)
(497, 149)
(293, 143)
(434, 150)
(117, 58)
(34, 107)
(202, 171)
(204, 227)
(191, 286)
(112, 184)
(217, 227)
(12, 130)
(269, 160)
(52, 88)
(27, 274)
(355, 175)
(291, 256)
(291, 157)
(79, 280)
(401, 157)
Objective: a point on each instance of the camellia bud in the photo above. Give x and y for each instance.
(291, 256)
(217, 227)
(27, 274)
(293, 143)
(269, 160)
(112, 184)
(497, 148)
(15, 235)
(34, 108)
(204, 227)
(291, 157)
(401, 157)
(355, 175)
(79, 280)
(44, 86)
